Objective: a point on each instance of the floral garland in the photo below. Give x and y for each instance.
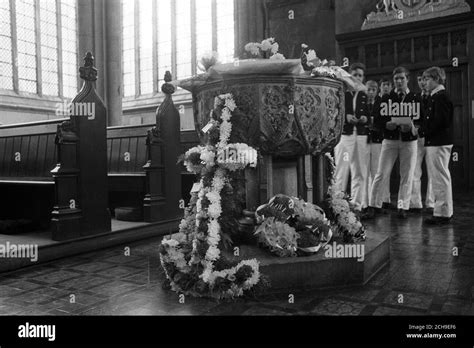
(346, 222)
(237, 156)
(194, 262)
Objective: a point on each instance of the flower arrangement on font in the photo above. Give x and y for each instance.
(316, 67)
(192, 258)
(268, 48)
(208, 60)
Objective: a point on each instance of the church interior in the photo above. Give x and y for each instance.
(102, 103)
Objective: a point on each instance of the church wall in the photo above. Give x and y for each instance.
(350, 14)
(147, 116)
(311, 22)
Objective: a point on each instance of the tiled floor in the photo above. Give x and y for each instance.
(423, 278)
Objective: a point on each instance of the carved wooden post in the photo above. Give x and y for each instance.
(66, 214)
(154, 202)
(162, 171)
(89, 118)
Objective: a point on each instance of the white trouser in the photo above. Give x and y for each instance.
(415, 201)
(351, 156)
(391, 149)
(437, 162)
(375, 149)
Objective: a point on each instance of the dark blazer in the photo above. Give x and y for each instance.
(424, 105)
(361, 110)
(375, 134)
(437, 124)
(382, 121)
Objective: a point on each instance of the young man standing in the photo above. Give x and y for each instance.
(416, 201)
(385, 86)
(400, 140)
(436, 128)
(375, 138)
(351, 153)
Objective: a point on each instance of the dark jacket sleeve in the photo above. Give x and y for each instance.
(349, 108)
(441, 117)
(423, 112)
(363, 107)
(381, 121)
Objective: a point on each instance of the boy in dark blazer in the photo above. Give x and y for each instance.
(375, 138)
(400, 140)
(437, 130)
(416, 199)
(385, 86)
(351, 153)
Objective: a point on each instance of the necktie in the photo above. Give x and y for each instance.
(400, 95)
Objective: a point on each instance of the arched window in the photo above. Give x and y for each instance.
(160, 35)
(38, 47)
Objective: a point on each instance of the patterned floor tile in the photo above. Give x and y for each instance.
(333, 306)
(108, 282)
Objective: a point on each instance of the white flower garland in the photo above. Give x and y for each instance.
(208, 157)
(237, 156)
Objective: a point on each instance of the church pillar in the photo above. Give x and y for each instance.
(100, 32)
(113, 35)
(249, 23)
(90, 14)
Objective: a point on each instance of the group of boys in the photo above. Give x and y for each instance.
(388, 122)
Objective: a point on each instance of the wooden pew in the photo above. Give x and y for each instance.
(28, 152)
(27, 155)
(30, 177)
(136, 160)
(126, 152)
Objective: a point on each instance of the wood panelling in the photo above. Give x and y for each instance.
(38, 150)
(31, 154)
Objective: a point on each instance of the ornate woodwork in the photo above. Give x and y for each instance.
(289, 119)
(283, 116)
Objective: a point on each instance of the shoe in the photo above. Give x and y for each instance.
(438, 220)
(387, 205)
(371, 213)
(415, 210)
(402, 214)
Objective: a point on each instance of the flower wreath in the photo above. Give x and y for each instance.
(189, 258)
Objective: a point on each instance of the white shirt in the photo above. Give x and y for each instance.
(437, 89)
(354, 101)
(404, 92)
